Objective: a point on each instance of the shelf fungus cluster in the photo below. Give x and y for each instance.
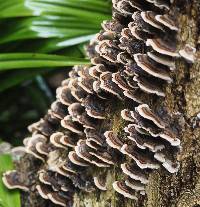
(132, 61)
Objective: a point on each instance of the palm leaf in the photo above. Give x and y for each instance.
(46, 26)
(34, 60)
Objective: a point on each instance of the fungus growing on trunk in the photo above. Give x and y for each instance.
(131, 58)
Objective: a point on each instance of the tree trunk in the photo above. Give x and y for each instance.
(183, 104)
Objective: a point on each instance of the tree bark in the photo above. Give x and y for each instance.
(182, 102)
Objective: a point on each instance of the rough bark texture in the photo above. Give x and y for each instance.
(183, 104)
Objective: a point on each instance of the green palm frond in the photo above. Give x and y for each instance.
(42, 19)
(47, 26)
(10, 61)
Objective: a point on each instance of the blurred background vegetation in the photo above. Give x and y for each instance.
(39, 41)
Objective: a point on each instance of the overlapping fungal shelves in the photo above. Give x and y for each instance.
(109, 117)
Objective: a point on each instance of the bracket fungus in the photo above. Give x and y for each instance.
(132, 61)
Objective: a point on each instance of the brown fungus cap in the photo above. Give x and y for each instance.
(135, 172)
(100, 182)
(123, 189)
(113, 140)
(14, 180)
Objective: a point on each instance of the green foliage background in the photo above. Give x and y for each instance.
(46, 26)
